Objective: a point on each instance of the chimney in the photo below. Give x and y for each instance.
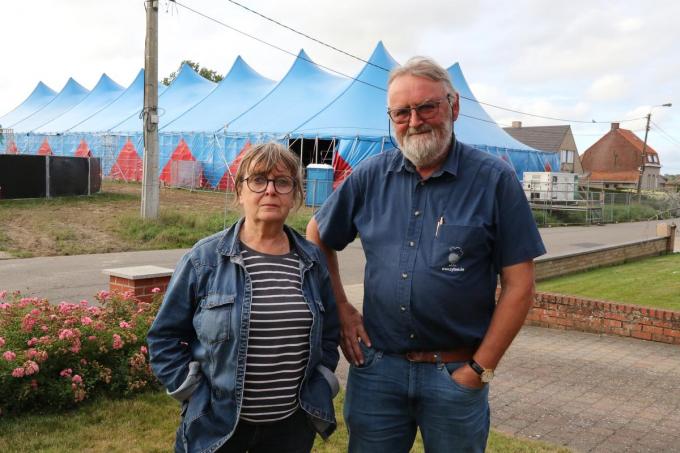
(516, 124)
(615, 126)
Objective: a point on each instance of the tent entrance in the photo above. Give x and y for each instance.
(313, 150)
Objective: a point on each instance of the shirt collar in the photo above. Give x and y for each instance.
(450, 165)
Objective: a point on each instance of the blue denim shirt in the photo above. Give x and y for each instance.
(433, 248)
(198, 341)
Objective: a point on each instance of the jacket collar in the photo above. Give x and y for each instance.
(229, 244)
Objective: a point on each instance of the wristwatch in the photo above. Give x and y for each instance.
(485, 374)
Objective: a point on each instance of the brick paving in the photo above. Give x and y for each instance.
(587, 392)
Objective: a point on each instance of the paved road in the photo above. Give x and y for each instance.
(77, 277)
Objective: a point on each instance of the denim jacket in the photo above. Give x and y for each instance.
(199, 339)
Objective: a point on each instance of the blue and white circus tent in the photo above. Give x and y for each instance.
(212, 124)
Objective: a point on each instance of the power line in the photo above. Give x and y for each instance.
(297, 56)
(205, 16)
(665, 134)
(387, 70)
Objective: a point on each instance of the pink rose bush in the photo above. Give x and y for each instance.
(56, 356)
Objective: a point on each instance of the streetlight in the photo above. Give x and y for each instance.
(644, 148)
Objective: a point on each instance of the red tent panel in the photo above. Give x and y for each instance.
(227, 181)
(182, 152)
(45, 149)
(128, 166)
(83, 150)
(12, 148)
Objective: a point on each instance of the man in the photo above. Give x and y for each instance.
(438, 221)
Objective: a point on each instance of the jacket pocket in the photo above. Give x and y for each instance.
(213, 320)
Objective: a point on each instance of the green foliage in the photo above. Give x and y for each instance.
(202, 71)
(53, 357)
(653, 282)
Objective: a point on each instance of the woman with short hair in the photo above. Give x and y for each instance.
(246, 338)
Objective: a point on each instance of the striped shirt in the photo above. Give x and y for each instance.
(278, 343)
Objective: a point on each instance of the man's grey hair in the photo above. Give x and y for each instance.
(424, 67)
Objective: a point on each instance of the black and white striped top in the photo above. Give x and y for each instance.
(278, 344)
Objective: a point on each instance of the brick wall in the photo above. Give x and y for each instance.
(605, 256)
(139, 280)
(598, 316)
(141, 288)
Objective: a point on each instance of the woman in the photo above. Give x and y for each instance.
(247, 334)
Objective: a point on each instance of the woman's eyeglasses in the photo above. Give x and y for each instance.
(258, 183)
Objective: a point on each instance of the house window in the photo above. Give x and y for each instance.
(566, 156)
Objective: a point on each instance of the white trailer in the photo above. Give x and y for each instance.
(550, 186)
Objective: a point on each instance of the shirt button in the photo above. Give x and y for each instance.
(412, 336)
(402, 308)
(417, 213)
(404, 275)
(411, 243)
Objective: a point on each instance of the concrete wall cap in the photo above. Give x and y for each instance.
(138, 272)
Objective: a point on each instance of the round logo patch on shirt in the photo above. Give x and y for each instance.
(455, 254)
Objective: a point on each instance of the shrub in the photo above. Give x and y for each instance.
(54, 357)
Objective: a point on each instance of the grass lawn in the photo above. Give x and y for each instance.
(147, 423)
(652, 282)
(109, 221)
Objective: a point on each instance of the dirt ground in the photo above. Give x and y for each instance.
(76, 225)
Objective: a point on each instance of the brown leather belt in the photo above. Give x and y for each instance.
(458, 355)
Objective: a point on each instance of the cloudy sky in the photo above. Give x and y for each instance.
(578, 60)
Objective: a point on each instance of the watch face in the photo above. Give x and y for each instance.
(487, 376)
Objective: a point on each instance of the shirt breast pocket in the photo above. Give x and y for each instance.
(456, 247)
(213, 320)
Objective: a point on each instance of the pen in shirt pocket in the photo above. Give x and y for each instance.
(440, 222)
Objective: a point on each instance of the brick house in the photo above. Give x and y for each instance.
(557, 139)
(614, 161)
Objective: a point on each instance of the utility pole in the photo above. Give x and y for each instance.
(644, 149)
(150, 183)
(644, 158)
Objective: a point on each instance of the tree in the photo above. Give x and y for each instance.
(203, 72)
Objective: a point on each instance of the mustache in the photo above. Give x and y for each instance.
(418, 130)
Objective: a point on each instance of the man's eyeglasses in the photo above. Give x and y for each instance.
(258, 183)
(426, 111)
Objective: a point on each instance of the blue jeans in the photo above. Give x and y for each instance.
(388, 398)
(290, 435)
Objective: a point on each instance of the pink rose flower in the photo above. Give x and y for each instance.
(102, 295)
(3, 294)
(4, 306)
(18, 373)
(84, 303)
(117, 341)
(156, 290)
(9, 356)
(92, 338)
(30, 367)
(86, 321)
(44, 328)
(143, 349)
(66, 372)
(2, 342)
(77, 379)
(65, 334)
(124, 325)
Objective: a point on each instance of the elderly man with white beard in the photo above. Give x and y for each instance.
(439, 223)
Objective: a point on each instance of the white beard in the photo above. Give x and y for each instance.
(426, 149)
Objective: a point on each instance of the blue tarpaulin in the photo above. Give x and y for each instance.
(213, 124)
